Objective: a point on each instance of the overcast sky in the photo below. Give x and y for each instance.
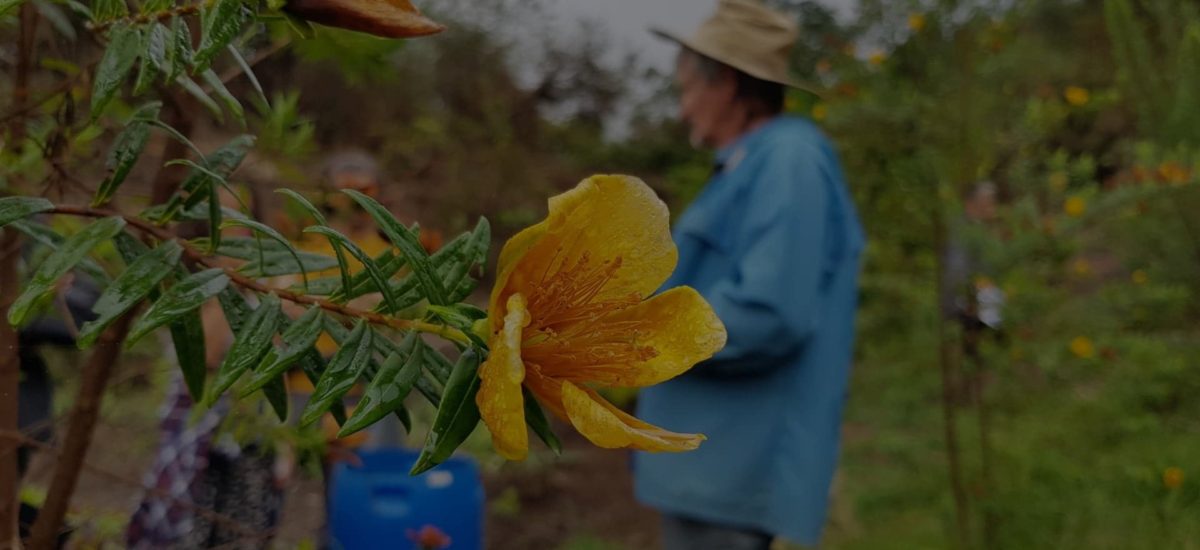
(627, 20)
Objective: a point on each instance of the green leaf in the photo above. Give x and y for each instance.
(457, 416)
(237, 312)
(298, 339)
(250, 345)
(147, 70)
(156, 6)
(462, 317)
(273, 234)
(155, 61)
(343, 266)
(219, 26)
(536, 419)
(220, 164)
(124, 45)
(138, 280)
(185, 296)
(125, 152)
(48, 238)
(452, 262)
(249, 72)
(57, 19)
(276, 264)
(8, 6)
(369, 266)
(407, 242)
(231, 103)
(179, 51)
(16, 208)
(389, 386)
(277, 395)
(361, 283)
(197, 92)
(344, 369)
(110, 9)
(187, 333)
(58, 263)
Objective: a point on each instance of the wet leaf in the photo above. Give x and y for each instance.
(389, 386)
(124, 45)
(250, 345)
(220, 24)
(16, 208)
(457, 416)
(298, 339)
(343, 370)
(133, 285)
(58, 263)
(407, 242)
(185, 296)
(231, 103)
(367, 262)
(125, 152)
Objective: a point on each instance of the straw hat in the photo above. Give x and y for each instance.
(748, 36)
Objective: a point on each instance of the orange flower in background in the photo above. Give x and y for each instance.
(1173, 173)
(429, 538)
(1077, 96)
(1075, 207)
(1082, 347)
(572, 311)
(1172, 478)
(820, 111)
(877, 58)
(385, 18)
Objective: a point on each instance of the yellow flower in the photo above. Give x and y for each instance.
(820, 111)
(386, 18)
(916, 22)
(1174, 173)
(1139, 277)
(1083, 348)
(1081, 267)
(571, 311)
(1075, 207)
(1076, 96)
(877, 58)
(1172, 478)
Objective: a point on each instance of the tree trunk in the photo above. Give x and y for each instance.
(10, 376)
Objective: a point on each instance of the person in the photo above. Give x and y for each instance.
(773, 243)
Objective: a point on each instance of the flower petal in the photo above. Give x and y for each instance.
(609, 427)
(602, 220)
(678, 327)
(501, 404)
(386, 18)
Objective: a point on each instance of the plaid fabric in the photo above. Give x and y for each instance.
(166, 512)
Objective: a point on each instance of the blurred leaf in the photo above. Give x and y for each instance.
(389, 386)
(297, 338)
(249, 72)
(70, 253)
(457, 416)
(48, 238)
(155, 6)
(8, 6)
(223, 94)
(197, 92)
(124, 45)
(109, 9)
(369, 266)
(220, 25)
(407, 242)
(126, 149)
(56, 17)
(179, 51)
(250, 345)
(16, 208)
(185, 296)
(139, 279)
(155, 62)
(343, 370)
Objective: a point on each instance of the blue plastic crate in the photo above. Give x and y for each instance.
(380, 506)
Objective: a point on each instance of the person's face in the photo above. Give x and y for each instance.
(703, 103)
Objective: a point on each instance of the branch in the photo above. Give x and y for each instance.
(243, 281)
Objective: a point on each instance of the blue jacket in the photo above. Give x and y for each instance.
(773, 243)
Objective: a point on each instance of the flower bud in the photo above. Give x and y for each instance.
(386, 18)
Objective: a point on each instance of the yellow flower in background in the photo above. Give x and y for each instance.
(572, 310)
(1139, 277)
(1075, 206)
(877, 58)
(1077, 96)
(820, 111)
(1083, 348)
(1173, 173)
(1172, 478)
(1081, 267)
(916, 22)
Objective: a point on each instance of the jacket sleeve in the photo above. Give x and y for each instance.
(770, 304)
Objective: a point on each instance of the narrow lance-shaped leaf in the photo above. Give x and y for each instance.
(58, 263)
(237, 312)
(389, 386)
(200, 95)
(16, 208)
(535, 417)
(428, 388)
(147, 70)
(297, 339)
(367, 262)
(457, 416)
(343, 266)
(250, 345)
(125, 152)
(158, 54)
(220, 25)
(344, 369)
(463, 318)
(179, 51)
(48, 238)
(187, 335)
(408, 244)
(249, 72)
(273, 234)
(185, 296)
(124, 44)
(139, 279)
(231, 103)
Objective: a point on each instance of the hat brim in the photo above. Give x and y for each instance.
(788, 81)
